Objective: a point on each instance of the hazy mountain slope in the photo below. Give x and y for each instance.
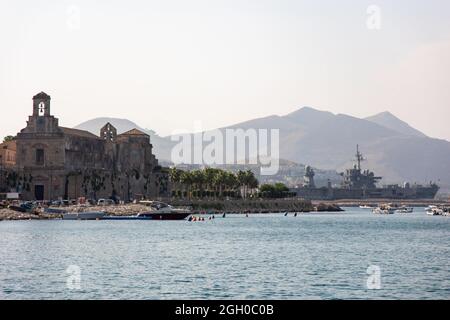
(162, 146)
(390, 121)
(332, 143)
(328, 141)
(414, 159)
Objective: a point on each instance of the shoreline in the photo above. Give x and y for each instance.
(375, 202)
(198, 207)
(255, 206)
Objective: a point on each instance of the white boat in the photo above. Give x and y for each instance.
(83, 216)
(434, 211)
(365, 207)
(384, 210)
(405, 209)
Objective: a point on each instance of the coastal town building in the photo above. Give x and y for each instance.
(55, 162)
(8, 154)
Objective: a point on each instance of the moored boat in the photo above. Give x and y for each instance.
(158, 211)
(434, 211)
(405, 209)
(384, 210)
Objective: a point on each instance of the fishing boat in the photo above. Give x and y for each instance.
(83, 216)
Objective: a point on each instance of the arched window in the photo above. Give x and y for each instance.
(41, 109)
(40, 157)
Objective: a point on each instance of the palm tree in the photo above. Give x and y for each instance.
(198, 180)
(220, 180)
(186, 179)
(247, 180)
(175, 177)
(241, 176)
(208, 177)
(250, 181)
(231, 181)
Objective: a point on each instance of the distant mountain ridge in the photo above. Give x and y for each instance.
(390, 121)
(393, 149)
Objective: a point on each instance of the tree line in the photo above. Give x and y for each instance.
(218, 184)
(212, 183)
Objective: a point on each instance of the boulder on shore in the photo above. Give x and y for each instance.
(8, 214)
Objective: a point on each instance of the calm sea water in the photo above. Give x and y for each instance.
(312, 256)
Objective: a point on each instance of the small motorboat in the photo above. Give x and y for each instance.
(365, 207)
(83, 216)
(434, 211)
(158, 211)
(405, 209)
(384, 210)
(23, 207)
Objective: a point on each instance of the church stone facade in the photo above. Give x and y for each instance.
(54, 162)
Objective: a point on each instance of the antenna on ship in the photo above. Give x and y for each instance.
(359, 157)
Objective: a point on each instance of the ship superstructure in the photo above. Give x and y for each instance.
(362, 184)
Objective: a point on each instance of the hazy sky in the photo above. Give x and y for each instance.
(166, 64)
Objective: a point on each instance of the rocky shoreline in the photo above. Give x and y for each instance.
(198, 207)
(8, 214)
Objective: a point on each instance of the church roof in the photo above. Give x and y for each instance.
(41, 95)
(79, 133)
(134, 132)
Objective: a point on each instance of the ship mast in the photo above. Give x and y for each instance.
(359, 157)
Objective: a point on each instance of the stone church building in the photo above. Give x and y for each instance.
(54, 162)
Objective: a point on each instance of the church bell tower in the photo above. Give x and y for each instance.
(41, 105)
(41, 121)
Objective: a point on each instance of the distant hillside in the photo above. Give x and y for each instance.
(390, 121)
(393, 149)
(161, 146)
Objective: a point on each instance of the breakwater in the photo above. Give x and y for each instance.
(256, 206)
(376, 202)
(247, 206)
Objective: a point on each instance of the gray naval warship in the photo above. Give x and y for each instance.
(362, 184)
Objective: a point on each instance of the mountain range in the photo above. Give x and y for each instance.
(393, 149)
